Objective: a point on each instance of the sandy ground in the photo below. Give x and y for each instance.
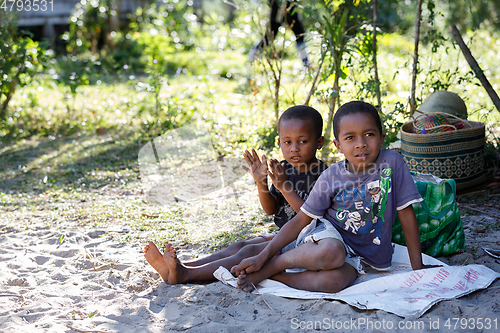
(88, 282)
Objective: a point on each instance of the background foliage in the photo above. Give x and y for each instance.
(172, 62)
(73, 122)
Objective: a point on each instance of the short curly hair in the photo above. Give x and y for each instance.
(352, 108)
(304, 113)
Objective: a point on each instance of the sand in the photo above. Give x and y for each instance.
(89, 282)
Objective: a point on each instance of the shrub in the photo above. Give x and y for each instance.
(20, 59)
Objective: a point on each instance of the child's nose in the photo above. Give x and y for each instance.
(295, 147)
(361, 143)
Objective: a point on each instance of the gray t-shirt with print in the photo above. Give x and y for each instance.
(362, 206)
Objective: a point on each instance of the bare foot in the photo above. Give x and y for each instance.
(177, 272)
(155, 259)
(169, 249)
(248, 281)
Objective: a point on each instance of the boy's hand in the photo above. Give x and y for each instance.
(257, 169)
(248, 265)
(277, 173)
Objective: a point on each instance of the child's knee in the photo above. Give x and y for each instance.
(237, 245)
(249, 250)
(241, 244)
(332, 253)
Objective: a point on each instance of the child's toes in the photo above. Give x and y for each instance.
(247, 289)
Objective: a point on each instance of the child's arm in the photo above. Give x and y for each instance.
(258, 170)
(285, 235)
(277, 173)
(409, 225)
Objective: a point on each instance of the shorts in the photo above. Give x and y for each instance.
(321, 228)
(283, 250)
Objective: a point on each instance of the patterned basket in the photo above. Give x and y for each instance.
(458, 155)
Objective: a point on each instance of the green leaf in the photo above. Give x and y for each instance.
(340, 28)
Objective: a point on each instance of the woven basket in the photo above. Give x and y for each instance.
(457, 155)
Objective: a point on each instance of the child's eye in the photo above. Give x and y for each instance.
(303, 142)
(349, 137)
(287, 142)
(370, 134)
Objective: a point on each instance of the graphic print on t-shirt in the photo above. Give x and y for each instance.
(362, 208)
(289, 211)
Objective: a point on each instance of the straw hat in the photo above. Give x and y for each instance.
(444, 101)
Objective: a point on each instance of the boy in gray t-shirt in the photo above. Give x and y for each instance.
(362, 206)
(353, 204)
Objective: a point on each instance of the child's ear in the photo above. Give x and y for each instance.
(382, 138)
(321, 142)
(337, 144)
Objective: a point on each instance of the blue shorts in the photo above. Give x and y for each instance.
(283, 250)
(320, 229)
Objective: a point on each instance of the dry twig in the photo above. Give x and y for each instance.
(90, 255)
(100, 267)
(255, 288)
(14, 295)
(478, 210)
(85, 331)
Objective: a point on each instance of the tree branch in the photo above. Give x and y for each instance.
(415, 57)
(475, 67)
(374, 47)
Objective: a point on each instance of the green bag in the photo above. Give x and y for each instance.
(441, 231)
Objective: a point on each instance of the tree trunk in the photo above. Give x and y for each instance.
(199, 10)
(415, 58)
(15, 81)
(333, 103)
(475, 67)
(374, 47)
(336, 91)
(117, 18)
(276, 101)
(313, 87)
